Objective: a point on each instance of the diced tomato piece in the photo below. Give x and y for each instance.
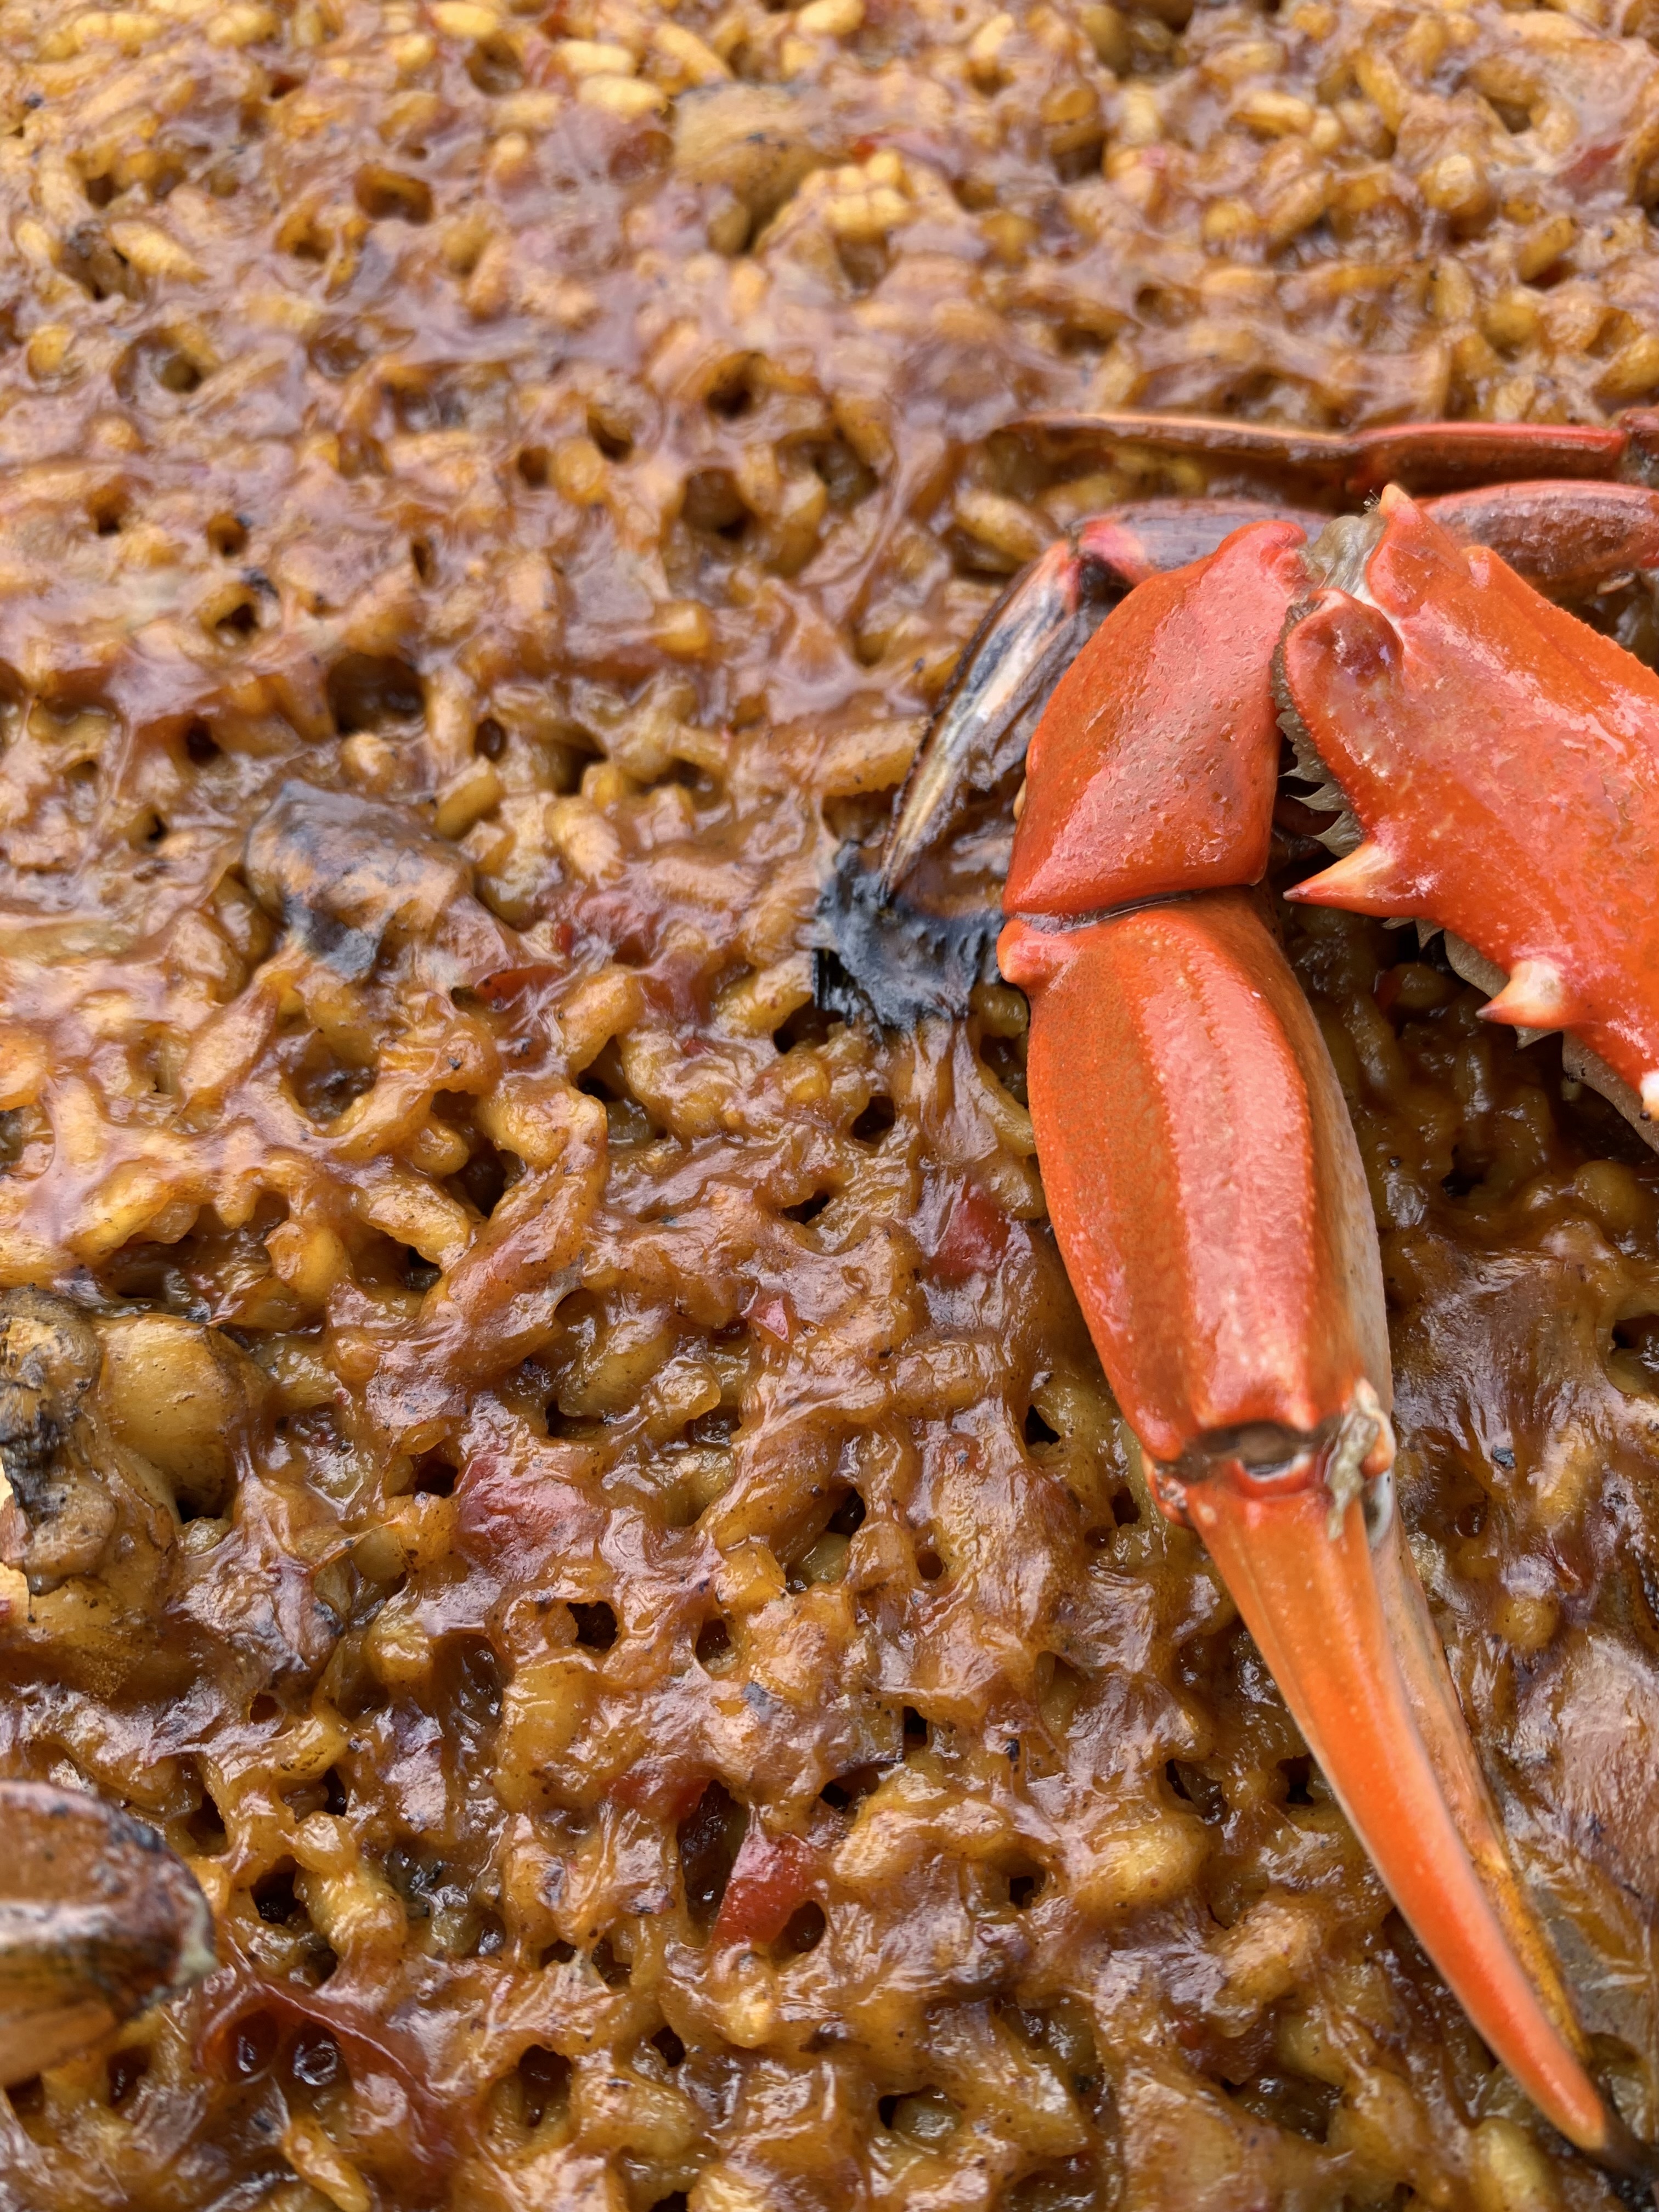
(770, 1876)
(771, 1312)
(975, 1237)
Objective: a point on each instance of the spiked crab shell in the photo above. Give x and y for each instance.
(1496, 768)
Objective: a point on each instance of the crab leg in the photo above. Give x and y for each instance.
(1566, 539)
(1430, 455)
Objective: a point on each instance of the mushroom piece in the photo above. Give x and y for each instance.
(180, 1395)
(113, 1429)
(98, 1919)
(60, 1515)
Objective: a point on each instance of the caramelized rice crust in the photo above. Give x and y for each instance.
(571, 1487)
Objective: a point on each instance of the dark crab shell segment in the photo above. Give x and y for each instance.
(978, 736)
(1503, 761)
(1569, 539)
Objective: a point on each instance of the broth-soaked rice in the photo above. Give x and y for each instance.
(572, 1486)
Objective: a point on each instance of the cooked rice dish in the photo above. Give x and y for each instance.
(570, 1483)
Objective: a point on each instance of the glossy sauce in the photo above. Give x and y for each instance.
(570, 1485)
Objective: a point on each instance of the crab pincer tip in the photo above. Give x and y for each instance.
(1396, 1755)
(1368, 880)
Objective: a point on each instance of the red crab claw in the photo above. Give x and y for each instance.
(98, 1919)
(1206, 1193)
(1570, 537)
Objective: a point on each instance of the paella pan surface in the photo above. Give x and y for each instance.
(572, 1487)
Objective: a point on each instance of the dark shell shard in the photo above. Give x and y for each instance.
(891, 958)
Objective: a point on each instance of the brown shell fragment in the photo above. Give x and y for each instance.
(98, 1919)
